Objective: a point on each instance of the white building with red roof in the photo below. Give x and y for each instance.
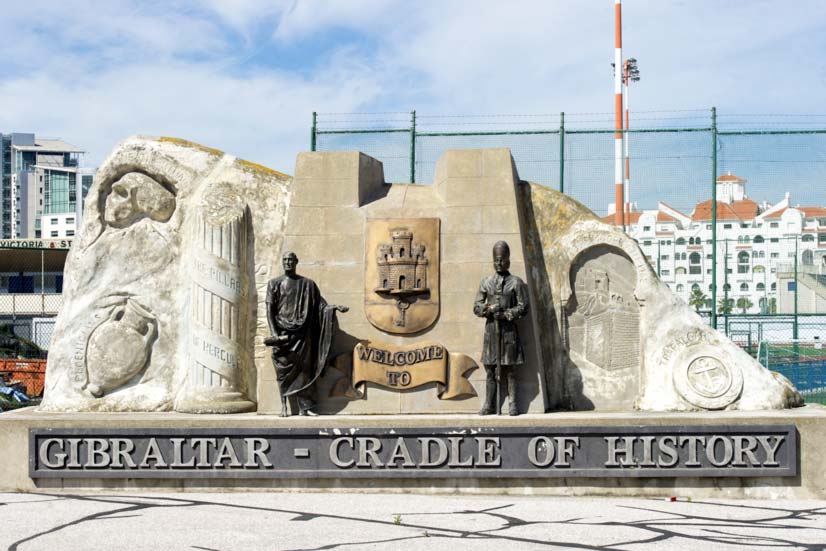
(759, 241)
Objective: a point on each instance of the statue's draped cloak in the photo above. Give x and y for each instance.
(309, 323)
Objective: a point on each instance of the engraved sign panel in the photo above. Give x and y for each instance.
(620, 451)
(401, 275)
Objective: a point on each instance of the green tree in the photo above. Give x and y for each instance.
(697, 299)
(725, 306)
(744, 303)
(772, 306)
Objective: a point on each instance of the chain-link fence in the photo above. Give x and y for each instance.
(31, 287)
(730, 210)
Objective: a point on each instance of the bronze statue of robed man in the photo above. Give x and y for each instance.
(302, 325)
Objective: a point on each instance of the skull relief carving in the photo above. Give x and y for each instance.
(136, 196)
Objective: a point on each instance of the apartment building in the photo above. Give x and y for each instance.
(758, 244)
(42, 189)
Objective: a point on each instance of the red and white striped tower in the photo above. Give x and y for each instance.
(618, 195)
(627, 78)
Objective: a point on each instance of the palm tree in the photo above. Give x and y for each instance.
(744, 303)
(724, 306)
(697, 299)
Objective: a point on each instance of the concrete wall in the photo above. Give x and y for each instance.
(475, 197)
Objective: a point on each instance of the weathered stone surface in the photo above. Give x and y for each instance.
(630, 341)
(121, 340)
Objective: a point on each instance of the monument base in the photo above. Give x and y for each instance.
(21, 463)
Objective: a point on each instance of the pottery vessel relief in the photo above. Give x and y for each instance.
(119, 348)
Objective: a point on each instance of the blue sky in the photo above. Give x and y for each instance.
(245, 75)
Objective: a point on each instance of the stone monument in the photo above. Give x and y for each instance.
(170, 307)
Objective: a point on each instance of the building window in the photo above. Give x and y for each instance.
(694, 264)
(775, 240)
(743, 262)
(774, 225)
(774, 287)
(744, 287)
(726, 226)
(744, 224)
(54, 233)
(680, 271)
(54, 220)
(665, 272)
(680, 241)
(726, 287)
(775, 255)
(821, 238)
(791, 286)
(646, 228)
(70, 233)
(680, 287)
(708, 226)
(665, 257)
(758, 239)
(761, 287)
(758, 269)
(70, 220)
(708, 271)
(808, 238)
(647, 243)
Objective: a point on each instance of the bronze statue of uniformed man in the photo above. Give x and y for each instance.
(502, 299)
(303, 326)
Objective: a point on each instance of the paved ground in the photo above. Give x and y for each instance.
(291, 521)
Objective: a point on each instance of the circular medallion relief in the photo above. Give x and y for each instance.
(707, 381)
(222, 203)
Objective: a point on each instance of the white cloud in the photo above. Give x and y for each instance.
(95, 72)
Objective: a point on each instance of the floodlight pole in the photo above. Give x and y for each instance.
(619, 195)
(630, 73)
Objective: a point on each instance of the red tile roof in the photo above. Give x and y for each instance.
(630, 218)
(777, 214)
(813, 212)
(730, 178)
(737, 210)
(663, 217)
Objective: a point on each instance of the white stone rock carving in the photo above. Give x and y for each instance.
(136, 246)
(684, 364)
(135, 196)
(218, 343)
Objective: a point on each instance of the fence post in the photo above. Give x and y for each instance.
(714, 217)
(313, 132)
(795, 328)
(413, 147)
(562, 152)
(725, 290)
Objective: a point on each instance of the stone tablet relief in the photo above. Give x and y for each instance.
(603, 330)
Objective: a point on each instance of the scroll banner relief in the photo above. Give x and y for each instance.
(408, 367)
